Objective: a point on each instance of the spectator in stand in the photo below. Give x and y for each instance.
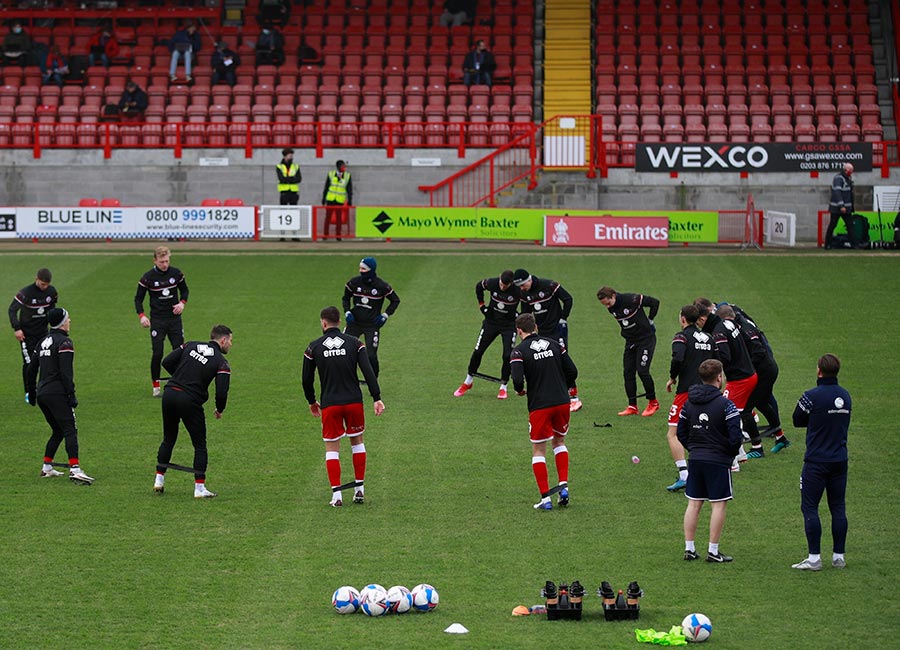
(57, 67)
(103, 46)
(133, 101)
(269, 47)
(479, 65)
(17, 46)
(273, 12)
(185, 43)
(224, 63)
(458, 12)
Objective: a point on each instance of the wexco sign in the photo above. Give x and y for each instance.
(758, 157)
(606, 231)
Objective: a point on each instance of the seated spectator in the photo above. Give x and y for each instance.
(479, 65)
(224, 63)
(269, 47)
(185, 43)
(17, 46)
(57, 67)
(103, 46)
(458, 12)
(133, 102)
(273, 12)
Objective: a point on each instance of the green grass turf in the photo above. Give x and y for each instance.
(450, 487)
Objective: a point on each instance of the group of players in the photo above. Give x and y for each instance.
(715, 341)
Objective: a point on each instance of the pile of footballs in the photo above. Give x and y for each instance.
(375, 600)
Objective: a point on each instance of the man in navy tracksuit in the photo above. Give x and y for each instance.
(825, 412)
(709, 427)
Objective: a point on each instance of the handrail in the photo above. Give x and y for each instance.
(529, 151)
(516, 145)
(249, 136)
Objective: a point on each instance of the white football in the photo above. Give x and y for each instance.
(696, 627)
(425, 597)
(373, 600)
(345, 600)
(399, 599)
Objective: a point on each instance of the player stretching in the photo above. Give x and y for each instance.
(542, 364)
(499, 320)
(691, 346)
(639, 333)
(551, 305)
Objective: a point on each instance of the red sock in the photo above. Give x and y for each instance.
(333, 467)
(156, 383)
(359, 461)
(562, 463)
(539, 467)
(73, 462)
(47, 459)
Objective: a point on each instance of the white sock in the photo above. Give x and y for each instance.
(815, 557)
(336, 496)
(689, 546)
(199, 487)
(713, 548)
(682, 470)
(47, 467)
(160, 479)
(469, 380)
(502, 386)
(837, 556)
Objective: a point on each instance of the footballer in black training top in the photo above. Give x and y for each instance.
(28, 315)
(499, 320)
(168, 296)
(542, 364)
(363, 299)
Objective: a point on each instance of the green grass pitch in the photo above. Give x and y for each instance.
(449, 487)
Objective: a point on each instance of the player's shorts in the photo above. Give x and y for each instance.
(738, 391)
(343, 420)
(708, 481)
(543, 424)
(675, 411)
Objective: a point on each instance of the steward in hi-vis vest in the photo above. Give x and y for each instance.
(338, 196)
(289, 178)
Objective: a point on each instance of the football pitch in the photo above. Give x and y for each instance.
(449, 487)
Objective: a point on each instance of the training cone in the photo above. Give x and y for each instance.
(457, 628)
(521, 610)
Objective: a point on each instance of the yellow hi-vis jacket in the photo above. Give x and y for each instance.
(337, 186)
(288, 172)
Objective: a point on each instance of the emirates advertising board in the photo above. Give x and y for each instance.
(767, 157)
(606, 231)
(523, 224)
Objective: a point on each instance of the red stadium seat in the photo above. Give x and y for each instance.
(211, 203)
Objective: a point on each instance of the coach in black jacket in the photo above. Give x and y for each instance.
(193, 367)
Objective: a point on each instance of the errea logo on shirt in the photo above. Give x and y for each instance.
(541, 349)
(202, 353)
(839, 402)
(335, 347)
